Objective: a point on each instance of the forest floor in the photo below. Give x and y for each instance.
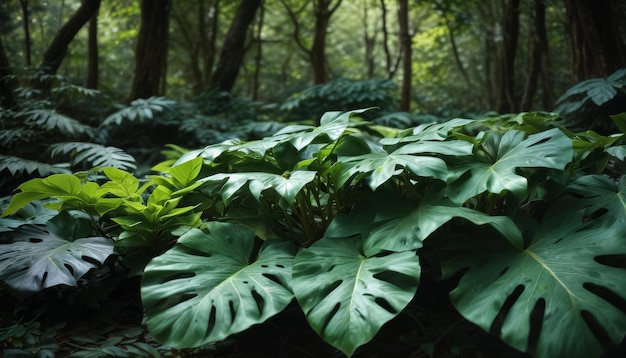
(428, 327)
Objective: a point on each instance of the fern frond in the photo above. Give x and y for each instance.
(51, 119)
(140, 109)
(19, 166)
(68, 88)
(9, 136)
(95, 154)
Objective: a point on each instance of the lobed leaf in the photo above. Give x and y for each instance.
(210, 285)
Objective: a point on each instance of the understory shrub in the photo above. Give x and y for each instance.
(341, 219)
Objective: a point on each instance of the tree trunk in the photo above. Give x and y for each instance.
(405, 45)
(151, 50)
(25, 25)
(92, 54)
(208, 39)
(323, 10)
(259, 56)
(597, 50)
(233, 50)
(55, 53)
(7, 81)
(508, 51)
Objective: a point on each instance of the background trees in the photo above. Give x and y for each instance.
(459, 56)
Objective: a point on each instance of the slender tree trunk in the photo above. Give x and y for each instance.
(539, 62)
(596, 47)
(457, 57)
(7, 81)
(390, 65)
(405, 44)
(151, 49)
(259, 55)
(25, 25)
(233, 50)
(208, 38)
(508, 51)
(92, 54)
(55, 53)
(369, 43)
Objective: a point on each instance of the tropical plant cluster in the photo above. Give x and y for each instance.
(346, 222)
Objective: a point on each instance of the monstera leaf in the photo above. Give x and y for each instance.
(348, 295)
(495, 165)
(40, 258)
(599, 194)
(552, 299)
(387, 216)
(287, 186)
(211, 285)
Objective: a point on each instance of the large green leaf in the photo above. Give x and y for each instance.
(60, 255)
(392, 224)
(600, 193)
(540, 299)
(211, 285)
(287, 185)
(348, 295)
(494, 167)
(381, 166)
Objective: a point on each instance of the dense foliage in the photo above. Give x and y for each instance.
(524, 217)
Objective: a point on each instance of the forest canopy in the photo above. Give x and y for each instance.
(455, 57)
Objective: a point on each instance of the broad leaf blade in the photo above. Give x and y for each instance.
(39, 259)
(559, 270)
(497, 171)
(348, 296)
(207, 287)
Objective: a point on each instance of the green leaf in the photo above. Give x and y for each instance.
(209, 286)
(620, 121)
(537, 299)
(287, 185)
(346, 295)
(185, 173)
(601, 195)
(602, 93)
(387, 216)
(495, 170)
(38, 259)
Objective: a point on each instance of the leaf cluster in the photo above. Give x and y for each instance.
(342, 219)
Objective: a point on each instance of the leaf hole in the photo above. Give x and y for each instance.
(558, 241)
(498, 321)
(330, 316)
(179, 275)
(598, 213)
(385, 305)
(607, 295)
(259, 300)
(69, 268)
(618, 261)
(405, 282)
(503, 272)
(211, 323)
(44, 278)
(92, 261)
(233, 311)
(272, 277)
(35, 240)
(330, 288)
(280, 266)
(536, 322)
(598, 331)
